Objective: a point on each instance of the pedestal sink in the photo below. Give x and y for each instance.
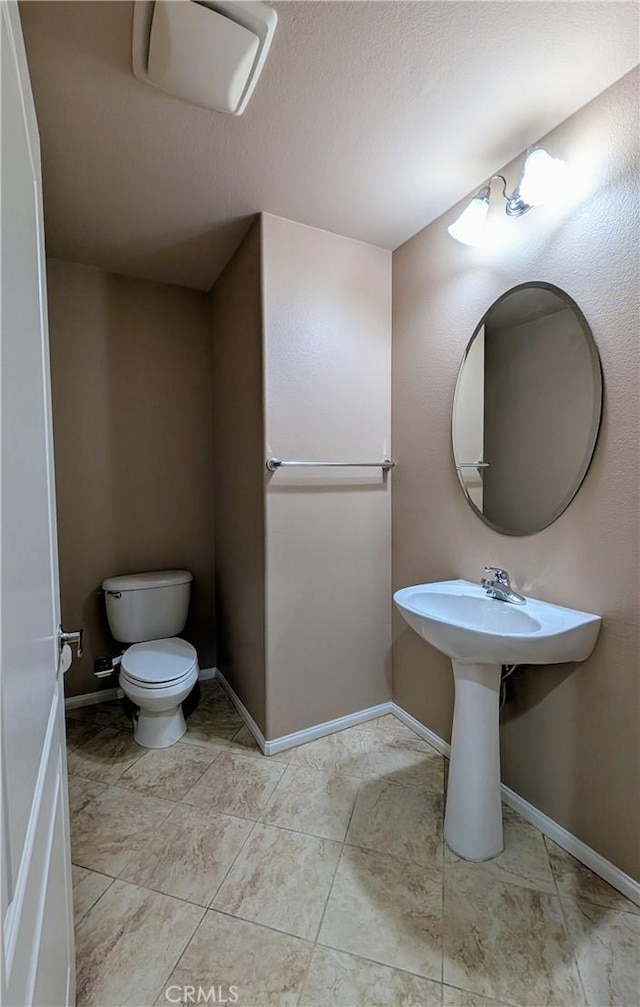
(480, 634)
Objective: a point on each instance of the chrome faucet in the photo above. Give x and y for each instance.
(498, 586)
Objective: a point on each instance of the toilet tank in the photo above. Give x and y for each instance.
(147, 606)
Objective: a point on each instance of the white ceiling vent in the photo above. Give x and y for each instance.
(209, 54)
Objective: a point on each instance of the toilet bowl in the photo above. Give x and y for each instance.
(157, 676)
(159, 671)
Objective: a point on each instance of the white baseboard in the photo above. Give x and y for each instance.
(585, 854)
(286, 741)
(423, 732)
(92, 698)
(322, 730)
(107, 695)
(244, 713)
(206, 673)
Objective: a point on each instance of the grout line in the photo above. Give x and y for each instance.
(215, 811)
(272, 796)
(79, 919)
(329, 893)
(223, 912)
(483, 996)
(314, 944)
(385, 965)
(297, 832)
(177, 959)
(220, 745)
(577, 896)
(399, 857)
(330, 890)
(563, 917)
(231, 865)
(598, 905)
(263, 926)
(339, 860)
(149, 888)
(181, 800)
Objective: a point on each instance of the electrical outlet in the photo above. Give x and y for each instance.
(103, 667)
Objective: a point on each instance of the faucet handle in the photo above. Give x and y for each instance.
(500, 575)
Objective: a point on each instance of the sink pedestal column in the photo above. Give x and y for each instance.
(473, 818)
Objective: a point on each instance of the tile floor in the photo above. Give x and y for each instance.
(318, 877)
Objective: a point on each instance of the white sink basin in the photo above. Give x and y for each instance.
(458, 618)
(480, 634)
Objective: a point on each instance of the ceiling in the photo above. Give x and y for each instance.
(370, 120)
(527, 304)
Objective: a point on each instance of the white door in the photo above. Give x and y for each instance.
(37, 910)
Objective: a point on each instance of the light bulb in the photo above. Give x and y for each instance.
(469, 227)
(542, 177)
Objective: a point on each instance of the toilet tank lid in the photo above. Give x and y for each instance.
(144, 581)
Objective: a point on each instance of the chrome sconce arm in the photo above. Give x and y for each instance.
(542, 177)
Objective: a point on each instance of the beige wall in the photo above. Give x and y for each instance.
(571, 733)
(236, 318)
(131, 375)
(327, 303)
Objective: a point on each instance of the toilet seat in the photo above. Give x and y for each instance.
(158, 663)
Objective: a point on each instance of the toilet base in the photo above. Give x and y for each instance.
(159, 729)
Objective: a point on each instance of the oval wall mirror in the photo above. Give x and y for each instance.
(526, 410)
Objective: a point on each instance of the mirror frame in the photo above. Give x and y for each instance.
(595, 431)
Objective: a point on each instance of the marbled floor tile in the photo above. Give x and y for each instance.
(222, 713)
(574, 880)
(236, 785)
(88, 886)
(401, 821)
(386, 909)
(214, 697)
(411, 767)
(606, 944)
(395, 731)
(128, 944)
(337, 979)
(281, 879)
(190, 855)
(318, 802)
(460, 998)
(212, 694)
(82, 791)
(106, 756)
(78, 732)
(345, 752)
(244, 743)
(524, 860)
(255, 966)
(168, 772)
(109, 714)
(507, 942)
(113, 827)
(211, 726)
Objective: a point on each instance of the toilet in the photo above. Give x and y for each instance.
(159, 670)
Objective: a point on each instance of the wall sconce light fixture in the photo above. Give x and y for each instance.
(542, 177)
